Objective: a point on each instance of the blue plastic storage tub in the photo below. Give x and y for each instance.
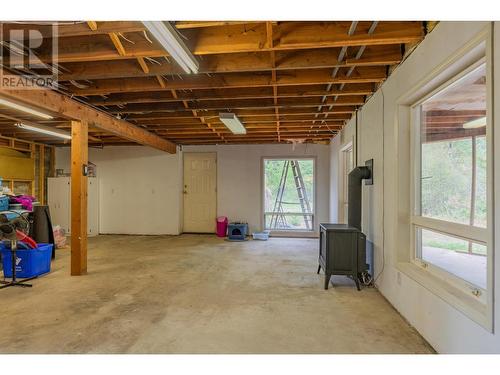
(4, 203)
(29, 263)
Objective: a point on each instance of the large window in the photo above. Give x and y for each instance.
(450, 188)
(289, 194)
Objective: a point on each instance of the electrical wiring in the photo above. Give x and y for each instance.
(125, 38)
(78, 85)
(147, 37)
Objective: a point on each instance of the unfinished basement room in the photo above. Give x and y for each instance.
(318, 184)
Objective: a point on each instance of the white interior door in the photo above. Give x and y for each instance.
(200, 192)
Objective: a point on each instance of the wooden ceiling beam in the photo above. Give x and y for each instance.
(227, 94)
(197, 24)
(162, 83)
(144, 66)
(84, 28)
(441, 113)
(235, 80)
(17, 121)
(298, 35)
(448, 136)
(101, 47)
(270, 44)
(64, 106)
(237, 104)
(80, 28)
(249, 135)
(255, 125)
(267, 120)
(92, 25)
(242, 39)
(254, 113)
(247, 142)
(233, 63)
(195, 115)
(115, 38)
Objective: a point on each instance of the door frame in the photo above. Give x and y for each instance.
(216, 186)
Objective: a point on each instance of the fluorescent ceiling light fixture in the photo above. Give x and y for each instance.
(233, 123)
(169, 38)
(22, 108)
(45, 130)
(474, 124)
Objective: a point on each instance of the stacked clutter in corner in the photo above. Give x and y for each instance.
(31, 259)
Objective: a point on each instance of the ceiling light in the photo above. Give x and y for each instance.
(169, 38)
(233, 123)
(22, 108)
(45, 130)
(474, 124)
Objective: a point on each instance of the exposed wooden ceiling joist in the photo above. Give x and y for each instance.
(276, 76)
(234, 80)
(59, 104)
(228, 94)
(230, 63)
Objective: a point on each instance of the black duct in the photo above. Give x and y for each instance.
(354, 195)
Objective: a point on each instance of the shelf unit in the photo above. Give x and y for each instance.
(42, 158)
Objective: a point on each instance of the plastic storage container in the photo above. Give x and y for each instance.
(29, 263)
(262, 236)
(221, 226)
(4, 203)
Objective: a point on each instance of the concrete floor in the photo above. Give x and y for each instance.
(199, 294)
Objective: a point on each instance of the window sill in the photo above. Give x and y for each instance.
(294, 234)
(456, 297)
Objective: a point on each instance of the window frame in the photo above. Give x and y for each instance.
(466, 232)
(313, 229)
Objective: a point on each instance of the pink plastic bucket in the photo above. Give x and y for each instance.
(221, 226)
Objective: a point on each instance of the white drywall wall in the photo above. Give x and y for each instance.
(141, 188)
(239, 178)
(446, 328)
(335, 172)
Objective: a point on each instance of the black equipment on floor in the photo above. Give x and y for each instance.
(342, 251)
(342, 247)
(41, 226)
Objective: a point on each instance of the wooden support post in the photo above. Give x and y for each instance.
(52, 170)
(92, 25)
(79, 159)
